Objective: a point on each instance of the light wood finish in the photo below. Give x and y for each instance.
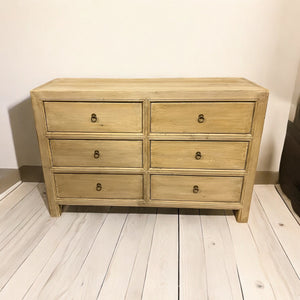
(252, 157)
(198, 155)
(158, 89)
(41, 129)
(148, 128)
(110, 117)
(128, 253)
(217, 117)
(81, 153)
(164, 187)
(111, 186)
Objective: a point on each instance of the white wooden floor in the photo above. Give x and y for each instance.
(127, 253)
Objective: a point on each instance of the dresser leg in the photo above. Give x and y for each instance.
(242, 215)
(54, 210)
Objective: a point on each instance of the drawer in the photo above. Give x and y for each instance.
(99, 153)
(204, 117)
(106, 186)
(196, 188)
(198, 154)
(93, 117)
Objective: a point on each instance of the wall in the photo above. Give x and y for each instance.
(42, 40)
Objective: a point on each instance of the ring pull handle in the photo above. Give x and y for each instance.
(98, 187)
(96, 154)
(198, 155)
(196, 189)
(201, 118)
(93, 118)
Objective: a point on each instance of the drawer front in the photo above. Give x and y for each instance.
(196, 188)
(94, 117)
(205, 117)
(100, 153)
(99, 186)
(198, 154)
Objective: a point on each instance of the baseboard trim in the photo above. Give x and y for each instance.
(31, 174)
(9, 190)
(8, 178)
(35, 174)
(266, 177)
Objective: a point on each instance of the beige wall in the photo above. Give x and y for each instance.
(41, 40)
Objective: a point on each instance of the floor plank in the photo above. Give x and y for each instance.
(192, 281)
(22, 240)
(16, 196)
(97, 253)
(222, 276)
(19, 215)
(253, 276)
(137, 278)
(35, 262)
(281, 274)
(88, 281)
(161, 280)
(119, 273)
(65, 263)
(283, 223)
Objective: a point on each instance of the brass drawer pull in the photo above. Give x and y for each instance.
(93, 118)
(96, 154)
(201, 118)
(198, 155)
(195, 189)
(98, 187)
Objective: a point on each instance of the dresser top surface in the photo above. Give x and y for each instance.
(156, 89)
(149, 84)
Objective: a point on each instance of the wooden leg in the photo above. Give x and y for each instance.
(54, 210)
(242, 215)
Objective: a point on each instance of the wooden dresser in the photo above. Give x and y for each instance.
(191, 142)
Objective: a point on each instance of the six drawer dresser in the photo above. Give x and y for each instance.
(185, 143)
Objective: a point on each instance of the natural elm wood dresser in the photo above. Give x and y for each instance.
(191, 142)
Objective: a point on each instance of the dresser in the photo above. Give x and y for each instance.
(176, 142)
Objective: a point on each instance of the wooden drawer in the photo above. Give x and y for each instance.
(210, 189)
(99, 186)
(99, 153)
(198, 154)
(204, 117)
(93, 117)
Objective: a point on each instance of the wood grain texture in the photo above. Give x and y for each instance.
(110, 117)
(218, 117)
(88, 281)
(198, 155)
(164, 187)
(120, 270)
(41, 129)
(132, 115)
(252, 273)
(112, 186)
(233, 89)
(279, 269)
(81, 153)
(192, 261)
(222, 275)
(284, 226)
(252, 157)
(120, 253)
(161, 281)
